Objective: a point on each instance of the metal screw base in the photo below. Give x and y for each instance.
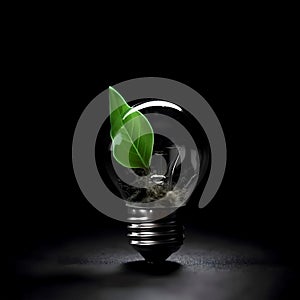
(156, 241)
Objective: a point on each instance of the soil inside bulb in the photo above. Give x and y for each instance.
(156, 190)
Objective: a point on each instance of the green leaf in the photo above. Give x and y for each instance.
(131, 133)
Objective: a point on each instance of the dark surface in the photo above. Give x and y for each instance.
(104, 266)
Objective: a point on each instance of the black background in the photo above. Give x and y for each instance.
(242, 66)
(241, 73)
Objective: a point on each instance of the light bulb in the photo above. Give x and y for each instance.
(156, 200)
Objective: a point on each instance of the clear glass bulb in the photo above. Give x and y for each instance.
(179, 168)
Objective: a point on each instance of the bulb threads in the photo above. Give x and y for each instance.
(157, 240)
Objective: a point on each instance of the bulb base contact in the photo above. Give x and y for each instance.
(157, 240)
